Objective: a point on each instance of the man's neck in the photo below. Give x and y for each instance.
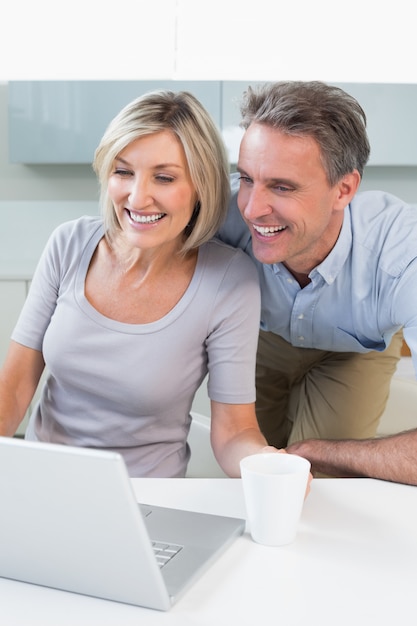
(302, 279)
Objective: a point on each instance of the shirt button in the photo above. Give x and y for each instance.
(300, 338)
(290, 280)
(301, 316)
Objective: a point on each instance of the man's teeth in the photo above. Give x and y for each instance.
(268, 231)
(145, 219)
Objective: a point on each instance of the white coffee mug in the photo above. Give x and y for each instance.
(274, 487)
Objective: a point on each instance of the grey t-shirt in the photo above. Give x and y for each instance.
(130, 387)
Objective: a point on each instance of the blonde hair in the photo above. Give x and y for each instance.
(205, 153)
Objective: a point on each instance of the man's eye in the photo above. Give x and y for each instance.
(245, 179)
(282, 188)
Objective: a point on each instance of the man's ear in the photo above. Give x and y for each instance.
(346, 189)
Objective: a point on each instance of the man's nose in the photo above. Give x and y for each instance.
(253, 203)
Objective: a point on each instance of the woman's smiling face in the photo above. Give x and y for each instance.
(152, 192)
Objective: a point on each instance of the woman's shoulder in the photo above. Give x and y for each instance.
(219, 255)
(75, 233)
(219, 248)
(83, 226)
(70, 239)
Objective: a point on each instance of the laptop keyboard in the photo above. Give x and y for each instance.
(164, 552)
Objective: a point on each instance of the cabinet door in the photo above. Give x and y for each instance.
(63, 121)
(390, 111)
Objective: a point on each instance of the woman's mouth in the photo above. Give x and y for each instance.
(145, 219)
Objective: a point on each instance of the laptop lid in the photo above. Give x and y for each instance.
(70, 520)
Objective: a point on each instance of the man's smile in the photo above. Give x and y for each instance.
(268, 231)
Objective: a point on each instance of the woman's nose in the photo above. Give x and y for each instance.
(139, 193)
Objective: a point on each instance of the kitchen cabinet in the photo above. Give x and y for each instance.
(389, 108)
(392, 129)
(63, 121)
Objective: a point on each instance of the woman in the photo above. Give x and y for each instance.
(130, 311)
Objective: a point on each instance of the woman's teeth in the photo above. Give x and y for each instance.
(145, 219)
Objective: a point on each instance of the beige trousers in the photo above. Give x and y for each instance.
(306, 393)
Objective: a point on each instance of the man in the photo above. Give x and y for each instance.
(338, 273)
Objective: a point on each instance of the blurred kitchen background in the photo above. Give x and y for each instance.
(66, 69)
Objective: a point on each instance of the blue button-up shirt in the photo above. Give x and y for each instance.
(360, 295)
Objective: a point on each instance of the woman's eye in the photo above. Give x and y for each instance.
(121, 172)
(164, 179)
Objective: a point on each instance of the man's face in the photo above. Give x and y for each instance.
(292, 212)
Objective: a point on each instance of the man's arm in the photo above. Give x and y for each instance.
(392, 458)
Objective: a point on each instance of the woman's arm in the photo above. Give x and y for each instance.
(19, 378)
(392, 458)
(235, 434)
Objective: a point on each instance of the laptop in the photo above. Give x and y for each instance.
(70, 520)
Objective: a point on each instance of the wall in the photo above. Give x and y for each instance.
(221, 40)
(401, 181)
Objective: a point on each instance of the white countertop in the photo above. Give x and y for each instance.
(353, 562)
